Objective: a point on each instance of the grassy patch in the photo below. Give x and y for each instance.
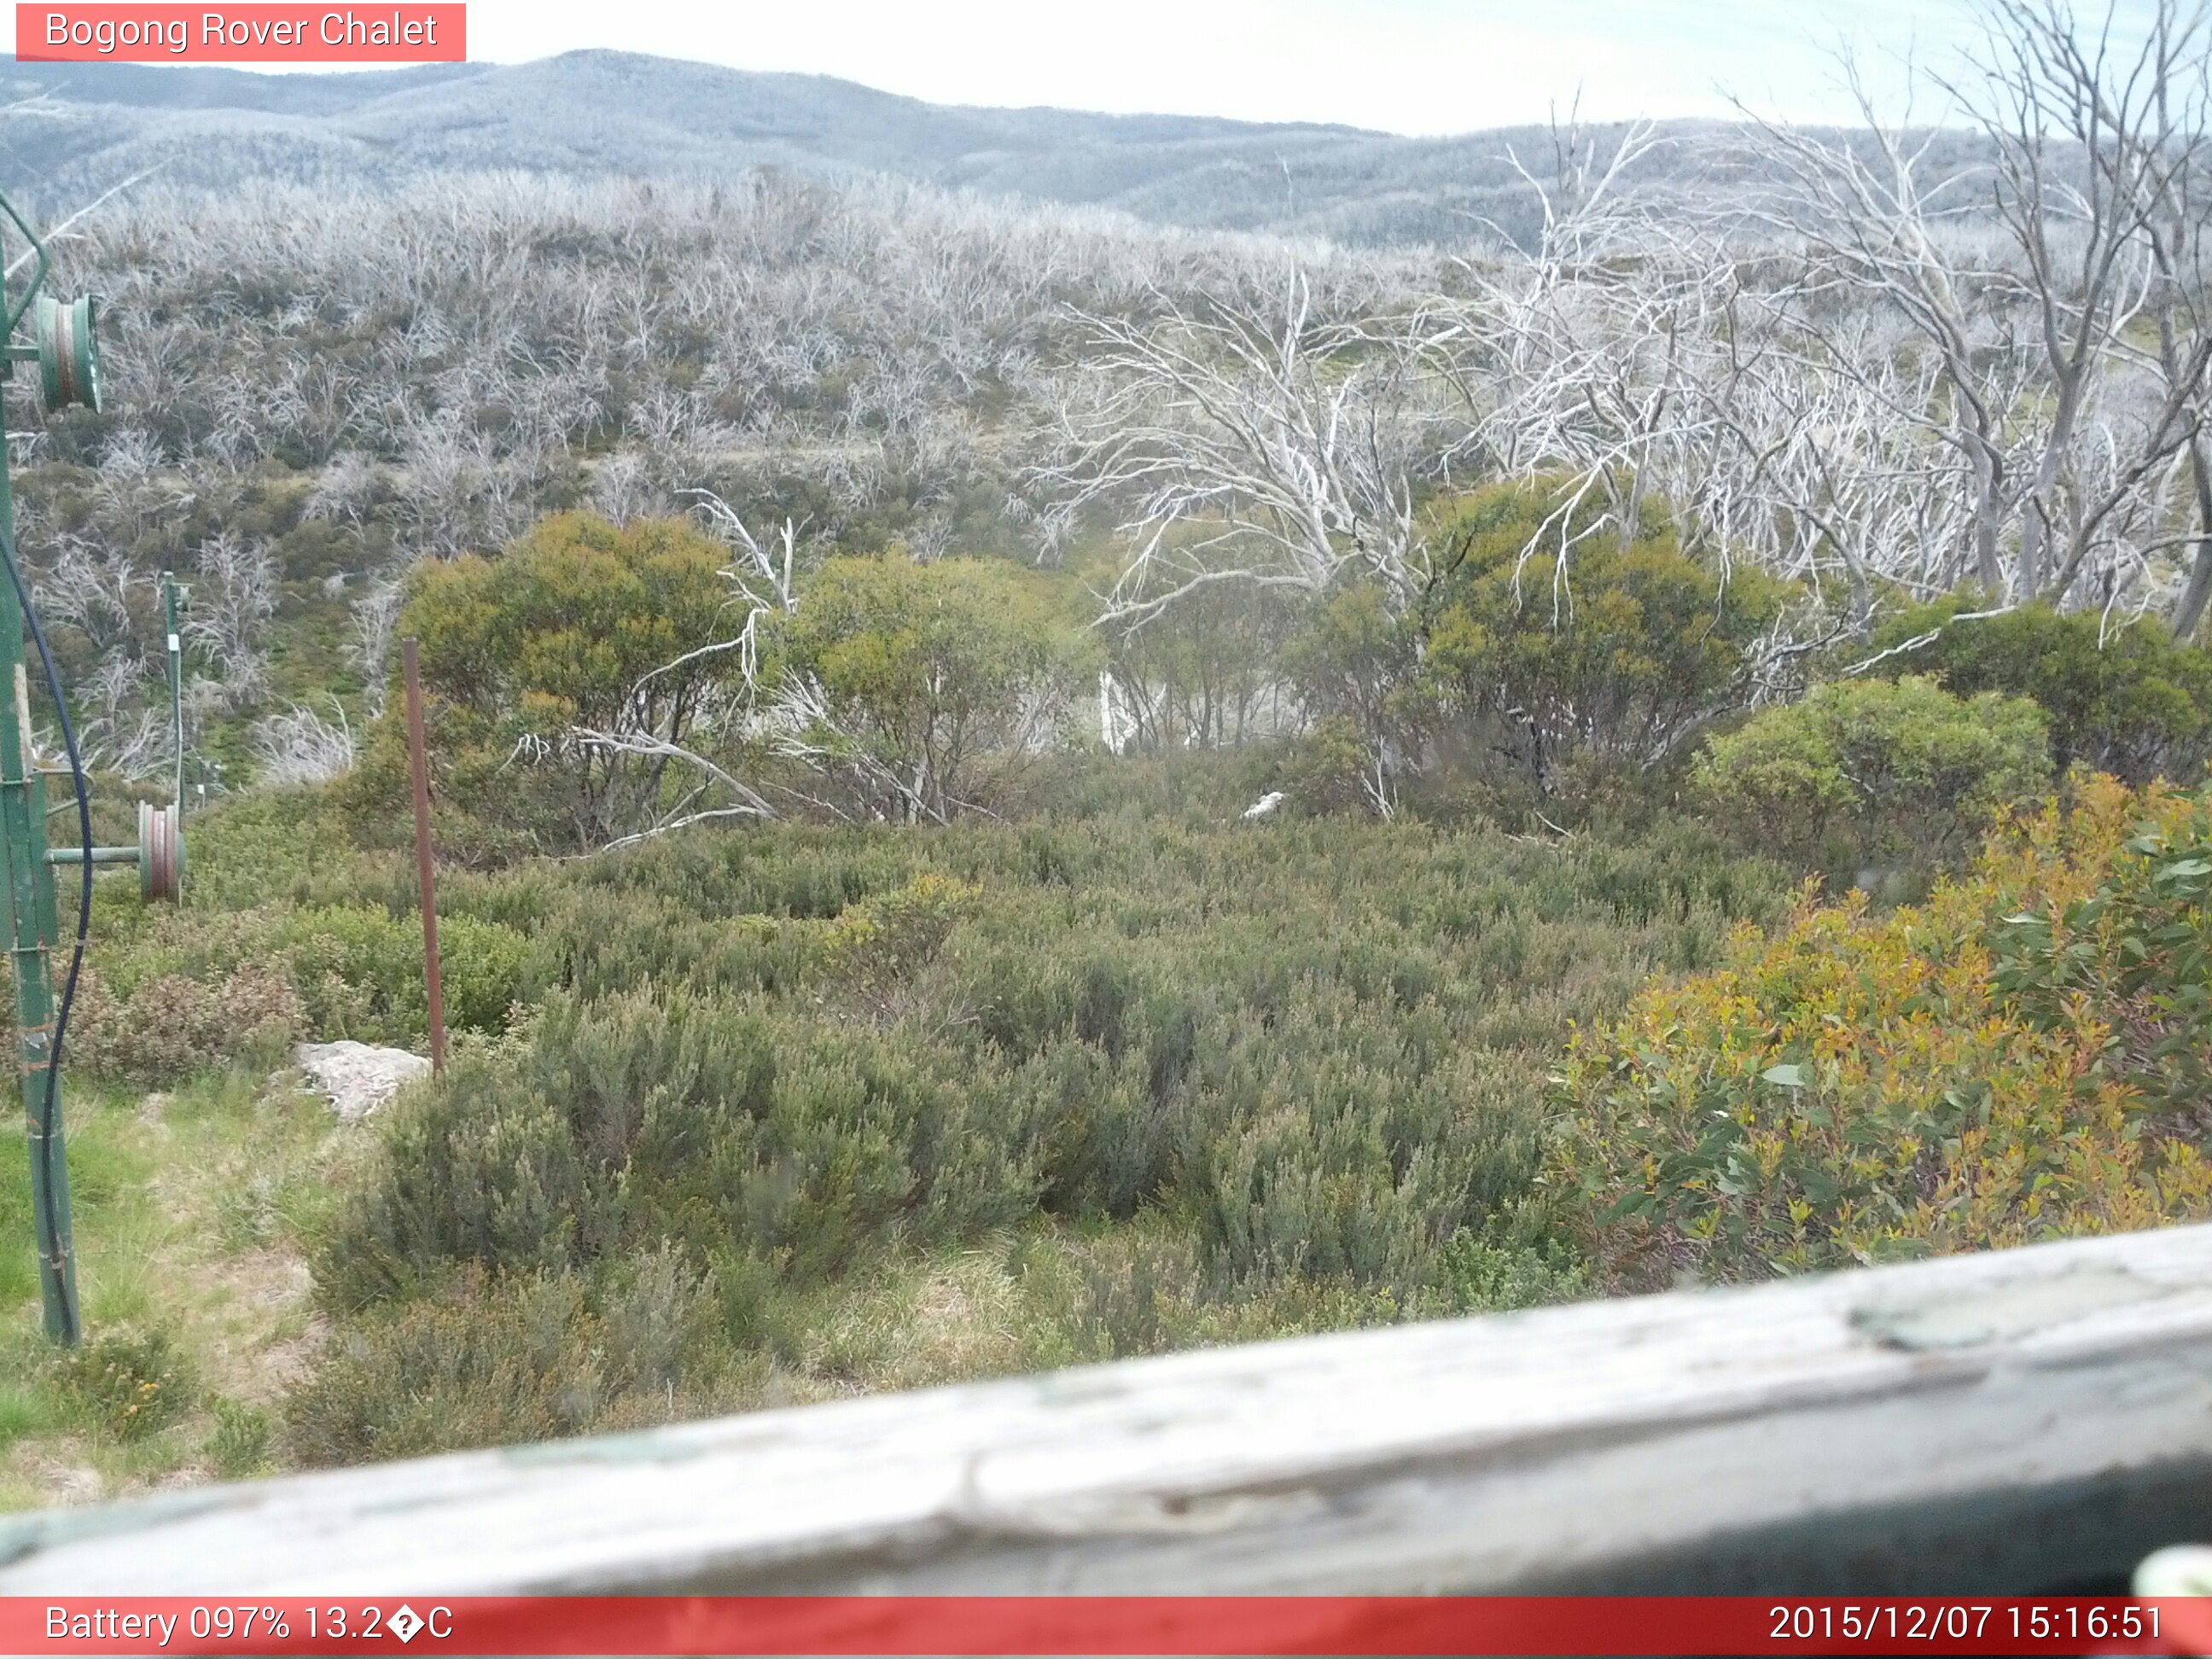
(191, 1208)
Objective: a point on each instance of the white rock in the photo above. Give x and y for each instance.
(357, 1077)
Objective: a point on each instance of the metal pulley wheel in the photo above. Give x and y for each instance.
(69, 352)
(160, 853)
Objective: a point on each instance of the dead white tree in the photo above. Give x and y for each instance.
(658, 753)
(345, 488)
(376, 622)
(761, 574)
(232, 603)
(1567, 350)
(117, 729)
(2029, 283)
(299, 746)
(1250, 441)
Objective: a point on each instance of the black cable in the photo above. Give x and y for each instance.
(50, 1112)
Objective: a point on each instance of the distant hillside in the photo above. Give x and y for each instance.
(592, 113)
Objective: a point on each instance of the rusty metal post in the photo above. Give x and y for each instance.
(418, 755)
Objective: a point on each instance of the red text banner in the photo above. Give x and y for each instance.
(1078, 1625)
(260, 33)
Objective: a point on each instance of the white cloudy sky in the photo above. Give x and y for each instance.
(1417, 66)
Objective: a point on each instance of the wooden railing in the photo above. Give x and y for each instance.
(2028, 1421)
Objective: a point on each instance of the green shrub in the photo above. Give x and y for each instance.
(1330, 768)
(1209, 1081)
(1322, 1044)
(1616, 653)
(276, 846)
(938, 681)
(517, 1357)
(244, 1441)
(1997, 1068)
(1875, 772)
(172, 1025)
(649, 1116)
(892, 935)
(1354, 660)
(1514, 1260)
(2126, 699)
(359, 971)
(328, 971)
(557, 632)
(132, 1382)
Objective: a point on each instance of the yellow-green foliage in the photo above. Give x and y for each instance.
(131, 1382)
(940, 677)
(2138, 948)
(561, 625)
(1620, 652)
(1877, 769)
(559, 631)
(2127, 698)
(1995, 1067)
(893, 934)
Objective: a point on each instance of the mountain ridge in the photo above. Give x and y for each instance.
(74, 130)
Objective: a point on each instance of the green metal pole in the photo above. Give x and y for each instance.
(176, 684)
(33, 934)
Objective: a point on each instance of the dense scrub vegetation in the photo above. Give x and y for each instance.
(2022, 1057)
(1013, 790)
(2130, 700)
(1874, 778)
(747, 1115)
(1174, 1079)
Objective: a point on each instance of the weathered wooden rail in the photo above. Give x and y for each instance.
(2029, 1421)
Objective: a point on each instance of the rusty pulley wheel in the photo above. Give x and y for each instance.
(160, 853)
